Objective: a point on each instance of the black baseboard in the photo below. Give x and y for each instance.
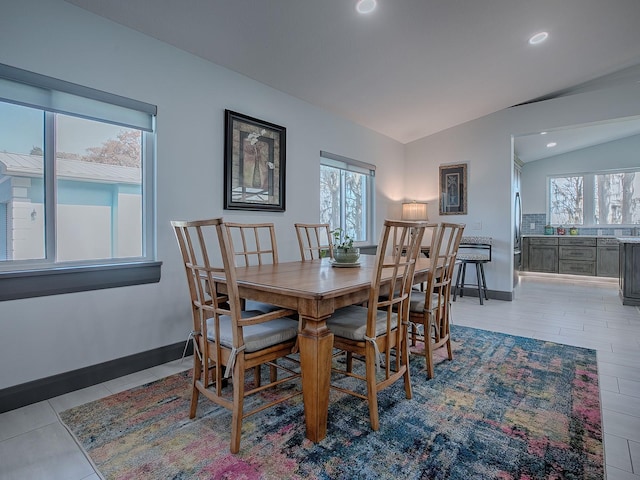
(493, 294)
(45, 388)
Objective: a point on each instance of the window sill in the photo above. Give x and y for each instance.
(38, 283)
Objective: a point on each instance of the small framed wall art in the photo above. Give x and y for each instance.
(453, 189)
(254, 164)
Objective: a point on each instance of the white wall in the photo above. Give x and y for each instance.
(485, 144)
(623, 153)
(45, 336)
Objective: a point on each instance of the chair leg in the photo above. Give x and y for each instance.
(428, 348)
(238, 404)
(448, 331)
(404, 353)
(484, 282)
(256, 375)
(195, 393)
(479, 280)
(372, 393)
(414, 338)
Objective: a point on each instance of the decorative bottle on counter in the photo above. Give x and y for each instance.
(548, 230)
(560, 230)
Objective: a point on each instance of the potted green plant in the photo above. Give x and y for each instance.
(343, 249)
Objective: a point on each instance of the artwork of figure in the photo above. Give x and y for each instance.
(453, 190)
(256, 165)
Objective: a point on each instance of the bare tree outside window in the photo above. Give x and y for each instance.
(616, 200)
(330, 196)
(354, 193)
(343, 196)
(566, 200)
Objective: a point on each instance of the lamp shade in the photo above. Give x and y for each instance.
(414, 211)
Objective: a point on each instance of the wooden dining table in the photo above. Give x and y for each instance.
(315, 289)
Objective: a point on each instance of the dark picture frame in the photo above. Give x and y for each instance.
(254, 164)
(453, 189)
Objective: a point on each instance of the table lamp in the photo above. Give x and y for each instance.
(414, 211)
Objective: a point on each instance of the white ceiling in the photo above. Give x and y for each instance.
(534, 146)
(409, 69)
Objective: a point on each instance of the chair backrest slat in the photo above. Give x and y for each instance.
(313, 240)
(253, 243)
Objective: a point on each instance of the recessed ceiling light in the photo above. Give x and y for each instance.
(538, 38)
(365, 6)
(551, 144)
(543, 133)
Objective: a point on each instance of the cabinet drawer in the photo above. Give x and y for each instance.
(543, 241)
(578, 241)
(578, 253)
(576, 267)
(604, 242)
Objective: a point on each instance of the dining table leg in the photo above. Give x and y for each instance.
(316, 345)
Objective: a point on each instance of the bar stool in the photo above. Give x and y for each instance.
(475, 251)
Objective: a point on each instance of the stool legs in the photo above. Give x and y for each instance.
(484, 282)
(480, 281)
(457, 285)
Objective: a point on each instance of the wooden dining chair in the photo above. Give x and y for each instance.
(254, 244)
(377, 333)
(314, 240)
(430, 310)
(226, 340)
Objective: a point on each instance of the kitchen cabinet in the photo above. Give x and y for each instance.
(574, 255)
(629, 254)
(577, 255)
(541, 254)
(608, 258)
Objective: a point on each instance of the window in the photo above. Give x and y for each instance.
(347, 196)
(566, 200)
(76, 178)
(617, 198)
(601, 198)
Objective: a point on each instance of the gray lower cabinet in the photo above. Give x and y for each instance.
(542, 255)
(608, 258)
(630, 273)
(571, 255)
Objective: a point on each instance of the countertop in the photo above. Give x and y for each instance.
(628, 239)
(620, 239)
(572, 236)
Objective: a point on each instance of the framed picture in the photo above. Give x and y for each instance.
(453, 189)
(254, 164)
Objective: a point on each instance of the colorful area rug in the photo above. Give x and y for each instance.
(505, 408)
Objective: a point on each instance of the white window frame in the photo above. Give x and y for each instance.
(367, 169)
(29, 278)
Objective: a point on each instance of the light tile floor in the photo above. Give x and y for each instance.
(582, 311)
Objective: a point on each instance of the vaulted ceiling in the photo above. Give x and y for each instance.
(409, 69)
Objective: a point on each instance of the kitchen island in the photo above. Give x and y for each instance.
(629, 270)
